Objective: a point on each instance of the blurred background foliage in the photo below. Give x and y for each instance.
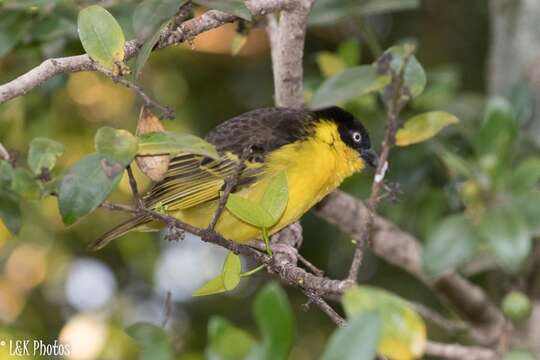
(52, 287)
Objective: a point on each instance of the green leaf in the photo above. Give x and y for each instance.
(249, 211)
(527, 205)
(349, 84)
(423, 127)
(525, 177)
(146, 50)
(10, 211)
(275, 320)
(153, 340)
(414, 76)
(330, 64)
(349, 51)
(160, 143)
(12, 26)
(357, 340)
(507, 233)
(403, 332)
(494, 141)
(326, 12)
(518, 355)
(25, 185)
(150, 15)
(450, 244)
(231, 271)
(116, 145)
(221, 335)
(233, 7)
(101, 36)
(211, 287)
(84, 188)
(456, 165)
(43, 154)
(276, 196)
(6, 174)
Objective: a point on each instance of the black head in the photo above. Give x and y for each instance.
(351, 131)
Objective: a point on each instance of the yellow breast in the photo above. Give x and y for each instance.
(314, 168)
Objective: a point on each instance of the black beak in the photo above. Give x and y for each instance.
(370, 157)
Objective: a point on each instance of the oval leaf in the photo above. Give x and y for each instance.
(231, 271)
(414, 76)
(276, 196)
(160, 143)
(213, 286)
(101, 36)
(249, 211)
(403, 332)
(221, 334)
(450, 244)
(357, 340)
(274, 317)
(351, 83)
(150, 15)
(116, 145)
(84, 188)
(43, 154)
(423, 127)
(507, 233)
(233, 7)
(10, 211)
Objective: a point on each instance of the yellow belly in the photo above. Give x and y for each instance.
(314, 168)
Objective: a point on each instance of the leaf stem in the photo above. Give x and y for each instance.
(252, 271)
(267, 241)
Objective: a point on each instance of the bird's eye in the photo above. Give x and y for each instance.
(357, 137)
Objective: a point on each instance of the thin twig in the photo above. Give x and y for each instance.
(117, 207)
(325, 308)
(134, 187)
(167, 309)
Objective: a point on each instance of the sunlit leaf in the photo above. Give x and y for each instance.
(153, 340)
(450, 244)
(414, 76)
(275, 320)
(351, 83)
(249, 211)
(213, 286)
(276, 196)
(25, 184)
(84, 188)
(349, 51)
(116, 145)
(423, 127)
(233, 7)
(403, 332)
(43, 153)
(159, 143)
(10, 211)
(101, 36)
(150, 15)
(508, 235)
(231, 271)
(357, 340)
(330, 64)
(221, 335)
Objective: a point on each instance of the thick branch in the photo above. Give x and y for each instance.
(186, 31)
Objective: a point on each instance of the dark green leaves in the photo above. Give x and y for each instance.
(153, 341)
(358, 340)
(275, 320)
(450, 244)
(43, 154)
(10, 212)
(507, 234)
(150, 15)
(234, 7)
(101, 36)
(227, 342)
(395, 59)
(116, 145)
(160, 143)
(351, 83)
(84, 188)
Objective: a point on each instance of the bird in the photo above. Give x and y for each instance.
(317, 150)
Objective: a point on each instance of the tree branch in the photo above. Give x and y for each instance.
(186, 31)
(459, 352)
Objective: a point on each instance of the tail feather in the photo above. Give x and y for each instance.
(117, 231)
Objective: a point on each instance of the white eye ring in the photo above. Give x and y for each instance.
(357, 137)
